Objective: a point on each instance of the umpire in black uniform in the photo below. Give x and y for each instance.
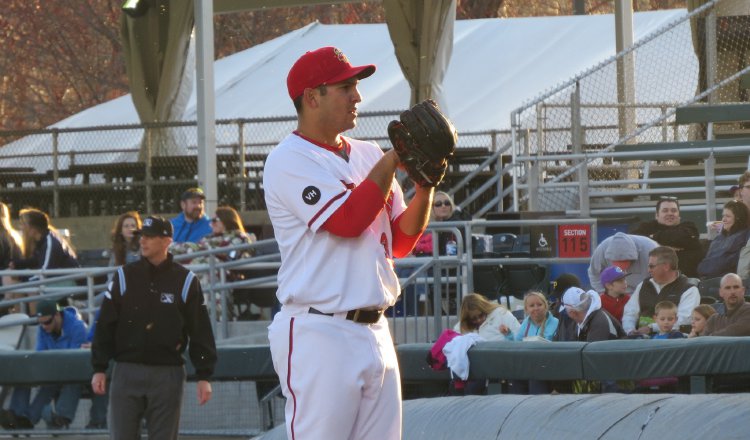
(153, 308)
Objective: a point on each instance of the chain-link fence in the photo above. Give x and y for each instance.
(109, 170)
(631, 98)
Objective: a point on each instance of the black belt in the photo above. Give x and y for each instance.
(360, 316)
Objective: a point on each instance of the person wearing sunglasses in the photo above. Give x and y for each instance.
(443, 210)
(668, 229)
(58, 329)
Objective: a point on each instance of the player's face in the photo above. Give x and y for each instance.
(669, 214)
(192, 208)
(128, 226)
(339, 105)
(699, 322)
(154, 249)
(665, 319)
(732, 292)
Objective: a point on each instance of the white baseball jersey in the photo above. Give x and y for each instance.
(304, 184)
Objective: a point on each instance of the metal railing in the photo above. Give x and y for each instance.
(566, 139)
(108, 170)
(448, 277)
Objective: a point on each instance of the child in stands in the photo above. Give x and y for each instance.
(700, 316)
(665, 315)
(615, 294)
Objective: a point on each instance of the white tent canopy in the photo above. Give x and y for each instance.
(496, 65)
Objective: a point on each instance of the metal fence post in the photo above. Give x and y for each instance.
(55, 175)
(515, 119)
(241, 164)
(577, 140)
(711, 64)
(710, 164)
(533, 180)
(149, 181)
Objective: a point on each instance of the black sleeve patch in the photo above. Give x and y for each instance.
(311, 195)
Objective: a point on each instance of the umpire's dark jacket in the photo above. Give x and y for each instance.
(149, 315)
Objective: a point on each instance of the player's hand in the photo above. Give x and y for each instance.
(504, 329)
(99, 383)
(204, 392)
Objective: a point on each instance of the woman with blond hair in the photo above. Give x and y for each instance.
(11, 246)
(485, 317)
(539, 324)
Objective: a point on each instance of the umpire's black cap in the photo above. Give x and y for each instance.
(154, 226)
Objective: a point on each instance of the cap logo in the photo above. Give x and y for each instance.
(148, 222)
(340, 55)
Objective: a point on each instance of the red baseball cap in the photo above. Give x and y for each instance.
(327, 65)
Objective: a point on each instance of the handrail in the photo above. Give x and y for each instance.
(463, 264)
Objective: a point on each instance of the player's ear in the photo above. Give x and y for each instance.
(310, 96)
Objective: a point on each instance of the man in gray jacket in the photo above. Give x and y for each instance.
(628, 252)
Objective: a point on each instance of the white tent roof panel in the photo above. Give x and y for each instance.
(496, 65)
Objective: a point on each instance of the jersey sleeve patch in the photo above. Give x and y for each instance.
(311, 195)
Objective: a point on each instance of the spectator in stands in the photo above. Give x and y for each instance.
(664, 317)
(743, 263)
(192, 224)
(724, 252)
(628, 252)
(485, 317)
(58, 330)
(667, 230)
(744, 187)
(589, 322)
(615, 294)
(701, 314)
(665, 283)
(99, 402)
(11, 246)
(443, 210)
(562, 283)
(126, 247)
(734, 193)
(44, 247)
(735, 321)
(538, 324)
(227, 230)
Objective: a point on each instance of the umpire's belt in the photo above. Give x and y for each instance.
(361, 316)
